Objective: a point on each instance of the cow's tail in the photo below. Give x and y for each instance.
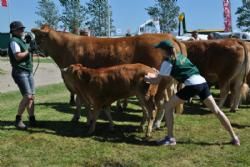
(244, 87)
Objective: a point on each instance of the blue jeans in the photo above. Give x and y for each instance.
(24, 81)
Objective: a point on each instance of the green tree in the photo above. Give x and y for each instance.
(100, 17)
(48, 12)
(243, 19)
(73, 16)
(167, 12)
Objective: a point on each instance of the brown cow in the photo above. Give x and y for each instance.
(67, 49)
(100, 87)
(223, 61)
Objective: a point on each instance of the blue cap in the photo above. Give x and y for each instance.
(15, 25)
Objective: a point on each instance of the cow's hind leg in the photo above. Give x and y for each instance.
(238, 94)
(94, 116)
(107, 111)
(77, 114)
(224, 90)
(144, 117)
(149, 108)
(72, 101)
(121, 105)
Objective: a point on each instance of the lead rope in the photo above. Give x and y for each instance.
(38, 58)
(38, 62)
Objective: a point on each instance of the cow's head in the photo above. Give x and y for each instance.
(41, 36)
(75, 72)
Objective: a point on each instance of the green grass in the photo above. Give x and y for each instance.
(57, 142)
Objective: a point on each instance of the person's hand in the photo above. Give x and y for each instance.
(155, 70)
(149, 78)
(41, 55)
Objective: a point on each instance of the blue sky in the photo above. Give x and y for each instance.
(129, 14)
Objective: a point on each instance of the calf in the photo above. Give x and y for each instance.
(100, 87)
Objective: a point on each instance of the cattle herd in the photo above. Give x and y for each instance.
(102, 70)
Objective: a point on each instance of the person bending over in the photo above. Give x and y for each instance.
(179, 67)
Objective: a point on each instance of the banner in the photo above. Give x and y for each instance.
(4, 3)
(227, 16)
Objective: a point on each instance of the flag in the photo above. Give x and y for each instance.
(227, 16)
(4, 3)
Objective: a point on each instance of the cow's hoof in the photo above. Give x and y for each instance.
(111, 128)
(75, 119)
(233, 110)
(141, 129)
(90, 132)
(147, 138)
(72, 103)
(119, 109)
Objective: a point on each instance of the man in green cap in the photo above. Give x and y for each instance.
(180, 68)
(22, 67)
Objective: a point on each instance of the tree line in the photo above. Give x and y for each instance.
(96, 15)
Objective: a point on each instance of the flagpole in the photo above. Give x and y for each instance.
(8, 2)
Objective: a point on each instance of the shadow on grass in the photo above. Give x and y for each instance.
(238, 126)
(121, 134)
(127, 116)
(206, 143)
(196, 108)
(59, 106)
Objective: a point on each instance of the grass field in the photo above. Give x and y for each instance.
(201, 140)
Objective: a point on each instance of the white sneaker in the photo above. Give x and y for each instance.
(20, 125)
(167, 141)
(236, 141)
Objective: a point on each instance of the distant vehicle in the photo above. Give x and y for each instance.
(188, 36)
(217, 35)
(4, 42)
(239, 35)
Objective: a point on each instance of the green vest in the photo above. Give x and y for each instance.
(23, 64)
(182, 68)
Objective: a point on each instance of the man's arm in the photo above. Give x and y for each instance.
(20, 55)
(16, 50)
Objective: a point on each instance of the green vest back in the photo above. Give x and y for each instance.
(182, 68)
(25, 63)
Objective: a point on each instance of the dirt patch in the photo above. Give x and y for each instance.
(47, 73)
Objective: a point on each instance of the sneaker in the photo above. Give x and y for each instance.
(32, 120)
(20, 125)
(156, 126)
(167, 141)
(236, 141)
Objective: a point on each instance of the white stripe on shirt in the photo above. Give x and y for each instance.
(194, 80)
(15, 47)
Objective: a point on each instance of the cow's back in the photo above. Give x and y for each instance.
(217, 59)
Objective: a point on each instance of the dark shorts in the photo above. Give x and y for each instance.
(202, 90)
(24, 81)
